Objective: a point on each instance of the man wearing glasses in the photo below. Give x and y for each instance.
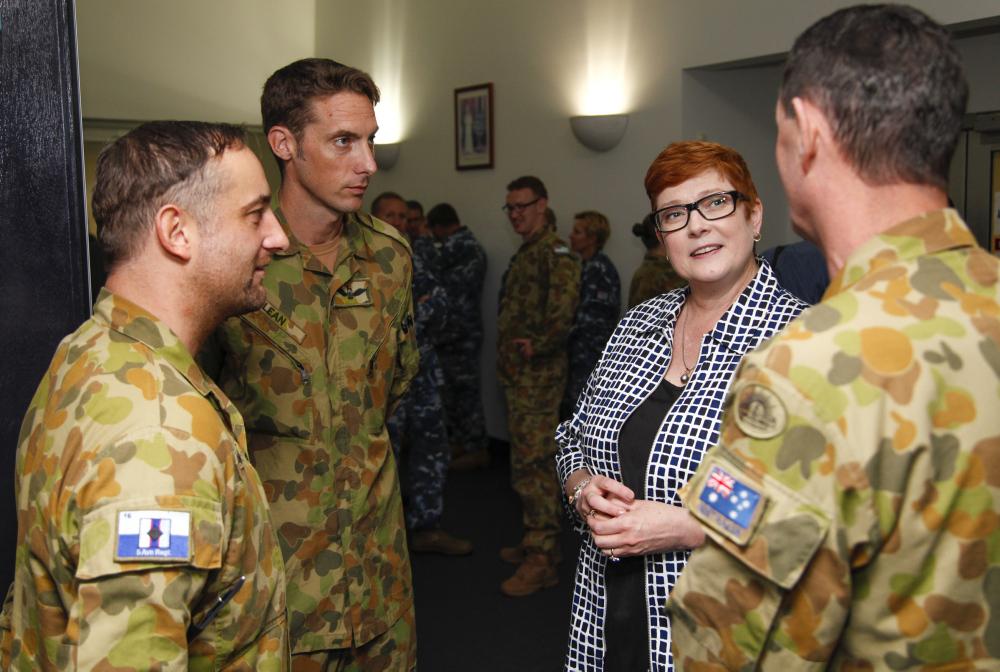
(538, 298)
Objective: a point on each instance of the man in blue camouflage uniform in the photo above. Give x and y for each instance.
(417, 427)
(600, 303)
(463, 269)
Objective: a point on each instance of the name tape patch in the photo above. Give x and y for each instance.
(730, 504)
(279, 318)
(153, 536)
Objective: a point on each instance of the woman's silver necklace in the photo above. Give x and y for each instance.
(686, 376)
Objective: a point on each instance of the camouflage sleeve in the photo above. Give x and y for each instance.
(134, 604)
(773, 580)
(431, 309)
(407, 352)
(6, 629)
(560, 304)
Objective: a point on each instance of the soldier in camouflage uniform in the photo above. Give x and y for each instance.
(317, 371)
(463, 270)
(538, 299)
(144, 539)
(417, 426)
(655, 275)
(599, 307)
(851, 506)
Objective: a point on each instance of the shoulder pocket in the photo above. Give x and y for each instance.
(726, 601)
(148, 533)
(769, 528)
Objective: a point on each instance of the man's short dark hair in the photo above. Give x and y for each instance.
(289, 91)
(385, 196)
(529, 182)
(892, 86)
(442, 214)
(415, 205)
(157, 163)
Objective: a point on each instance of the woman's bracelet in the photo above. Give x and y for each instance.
(578, 489)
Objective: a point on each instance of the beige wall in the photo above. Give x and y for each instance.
(187, 58)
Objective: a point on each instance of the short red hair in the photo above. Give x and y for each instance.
(681, 161)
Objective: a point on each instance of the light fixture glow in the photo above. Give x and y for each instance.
(387, 70)
(605, 88)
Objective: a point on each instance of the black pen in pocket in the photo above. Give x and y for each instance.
(221, 601)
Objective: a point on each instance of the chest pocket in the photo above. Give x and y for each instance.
(272, 381)
(363, 328)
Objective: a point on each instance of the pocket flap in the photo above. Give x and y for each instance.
(150, 532)
(772, 530)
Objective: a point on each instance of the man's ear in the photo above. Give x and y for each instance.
(283, 143)
(175, 231)
(814, 132)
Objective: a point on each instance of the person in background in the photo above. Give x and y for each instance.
(144, 537)
(850, 508)
(462, 272)
(417, 426)
(600, 303)
(801, 269)
(415, 219)
(538, 298)
(317, 371)
(655, 275)
(652, 406)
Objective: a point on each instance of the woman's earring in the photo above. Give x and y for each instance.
(756, 237)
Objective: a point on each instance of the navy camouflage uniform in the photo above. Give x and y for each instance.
(417, 426)
(463, 269)
(595, 320)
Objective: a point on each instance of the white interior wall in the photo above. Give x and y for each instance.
(142, 59)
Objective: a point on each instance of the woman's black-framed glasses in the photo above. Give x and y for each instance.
(714, 206)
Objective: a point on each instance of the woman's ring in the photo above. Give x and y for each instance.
(614, 558)
(592, 512)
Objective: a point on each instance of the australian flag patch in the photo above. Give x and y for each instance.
(729, 505)
(153, 536)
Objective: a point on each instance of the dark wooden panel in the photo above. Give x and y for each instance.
(43, 235)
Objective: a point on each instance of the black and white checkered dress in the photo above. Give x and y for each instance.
(631, 367)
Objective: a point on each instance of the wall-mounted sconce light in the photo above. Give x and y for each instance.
(599, 132)
(386, 155)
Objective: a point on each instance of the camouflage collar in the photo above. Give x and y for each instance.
(928, 233)
(353, 233)
(138, 324)
(736, 329)
(545, 233)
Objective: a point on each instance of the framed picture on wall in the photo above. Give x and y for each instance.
(474, 127)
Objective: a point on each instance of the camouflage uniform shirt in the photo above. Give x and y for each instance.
(851, 505)
(654, 276)
(596, 317)
(462, 271)
(137, 510)
(538, 298)
(315, 373)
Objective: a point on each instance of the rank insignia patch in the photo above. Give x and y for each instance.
(153, 536)
(758, 412)
(729, 505)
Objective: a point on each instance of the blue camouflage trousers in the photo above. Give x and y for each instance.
(461, 395)
(420, 443)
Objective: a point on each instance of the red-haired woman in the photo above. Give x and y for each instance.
(653, 406)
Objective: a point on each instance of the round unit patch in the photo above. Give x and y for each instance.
(758, 412)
